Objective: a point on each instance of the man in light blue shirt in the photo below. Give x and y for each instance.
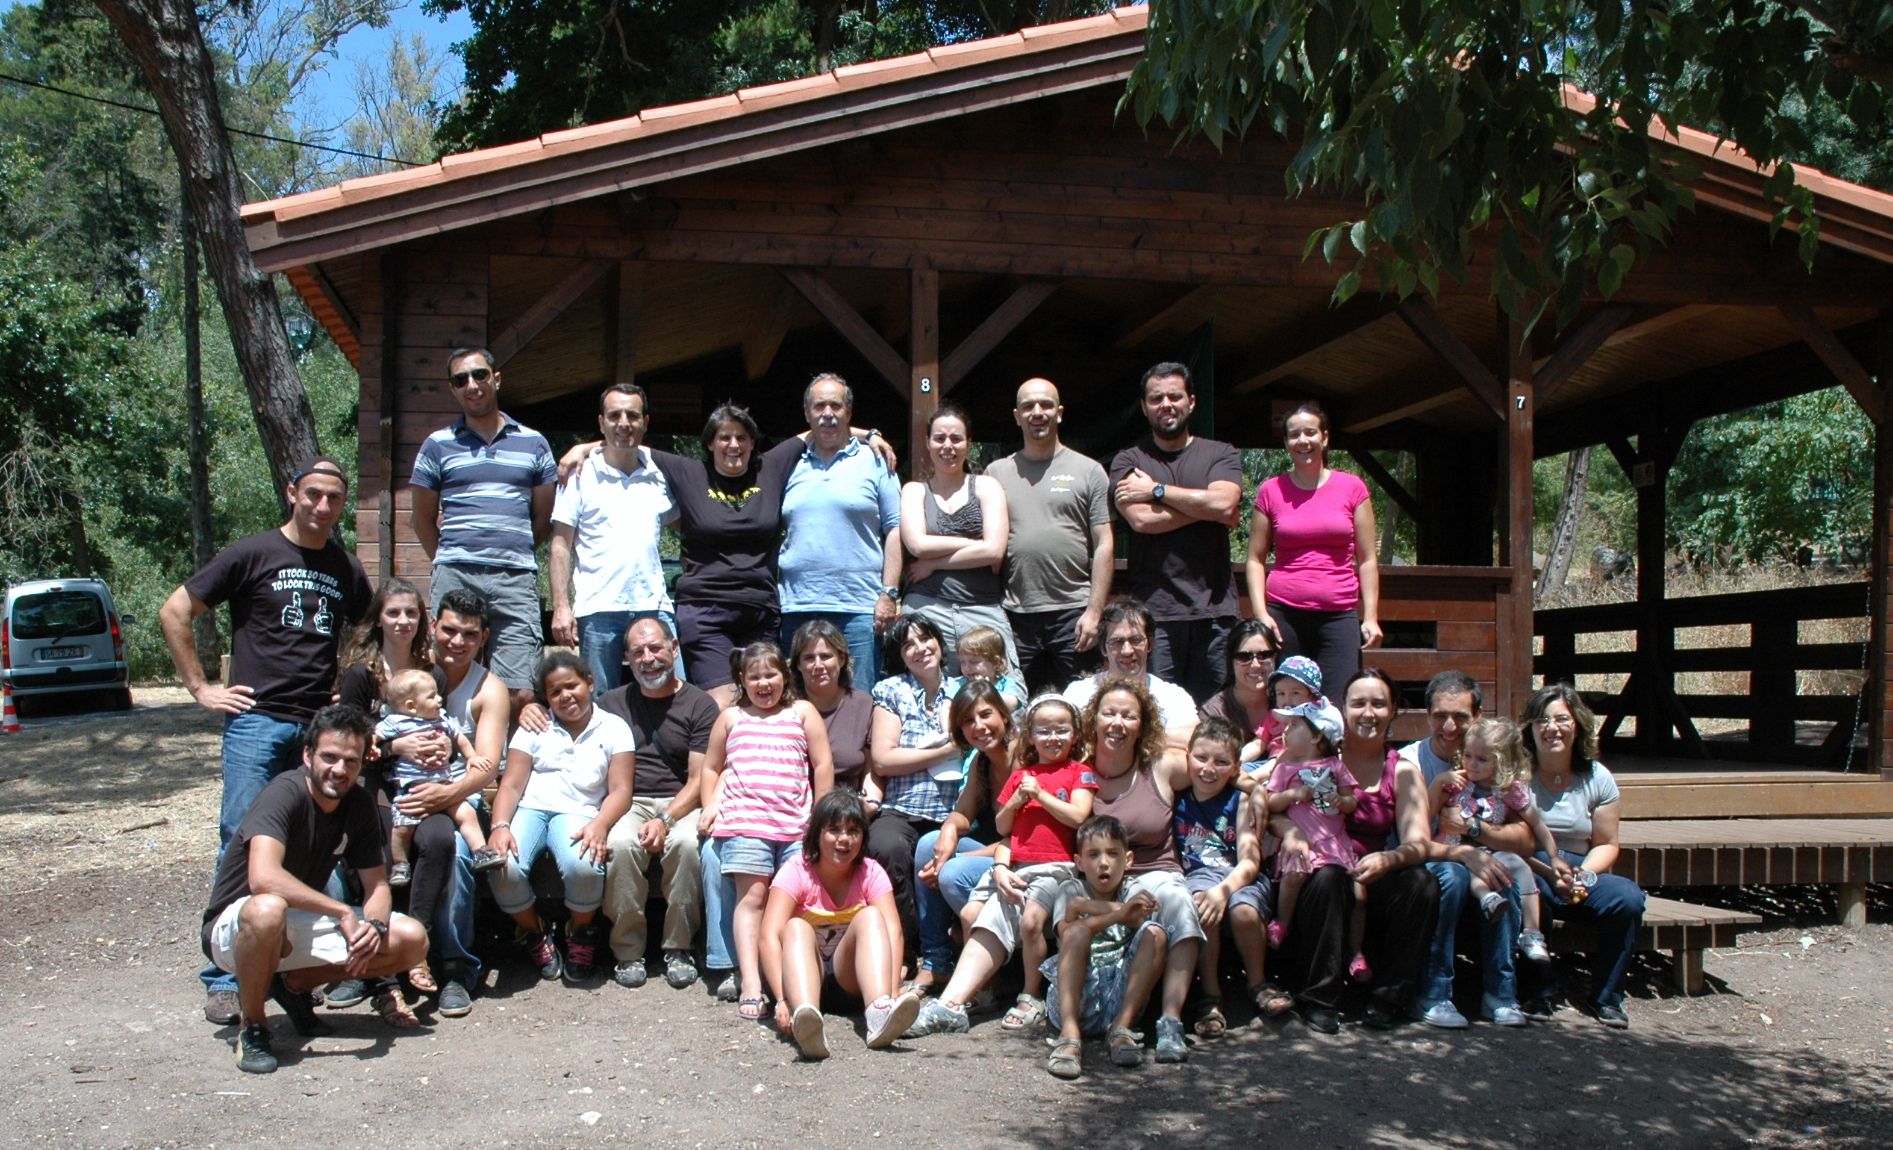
(841, 553)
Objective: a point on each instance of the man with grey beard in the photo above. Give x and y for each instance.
(671, 722)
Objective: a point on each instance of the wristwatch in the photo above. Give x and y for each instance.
(667, 820)
(892, 593)
(1475, 828)
(380, 925)
(1157, 493)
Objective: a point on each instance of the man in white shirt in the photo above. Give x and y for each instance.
(609, 519)
(1127, 628)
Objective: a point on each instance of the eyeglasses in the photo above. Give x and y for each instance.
(1129, 642)
(1051, 732)
(1254, 657)
(1556, 721)
(460, 379)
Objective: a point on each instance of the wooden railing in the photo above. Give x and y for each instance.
(1774, 704)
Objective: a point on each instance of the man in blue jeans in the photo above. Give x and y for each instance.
(293, 593)
(1452, 703)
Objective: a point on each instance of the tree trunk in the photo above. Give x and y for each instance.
(164, 38)
(203, 543)
(1564, 532)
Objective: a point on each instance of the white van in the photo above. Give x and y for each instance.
(62, 636)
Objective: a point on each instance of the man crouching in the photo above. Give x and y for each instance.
(270, 923)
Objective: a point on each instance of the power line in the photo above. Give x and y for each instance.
(234, 131)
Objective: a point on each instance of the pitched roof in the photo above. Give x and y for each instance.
(881, 95)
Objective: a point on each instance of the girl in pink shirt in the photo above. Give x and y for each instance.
(831, 915)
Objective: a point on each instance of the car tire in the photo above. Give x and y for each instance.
(121, 699)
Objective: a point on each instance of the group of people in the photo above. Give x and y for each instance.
(869, 722)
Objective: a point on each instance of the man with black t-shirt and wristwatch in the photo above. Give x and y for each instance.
(293, 592)
(270, 924)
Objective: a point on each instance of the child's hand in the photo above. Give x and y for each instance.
(1456, 779)
(591, 842)
(706, 819)
(784, 1019)
(1252, 751)
(1010, 886)
(930, 874)
(1210, 905)
(1029, 787)
(1139, 907)
(479, 764)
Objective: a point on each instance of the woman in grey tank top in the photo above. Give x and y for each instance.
(954, 527)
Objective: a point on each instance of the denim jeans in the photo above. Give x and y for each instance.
(601, 641)
(938, 907)
(534, 831)
(1497, 937)
(451, 932)
(256, 748)
(719, 910)
(864, 646)
(1615, 912)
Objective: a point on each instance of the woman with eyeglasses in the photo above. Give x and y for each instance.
(1578, 799)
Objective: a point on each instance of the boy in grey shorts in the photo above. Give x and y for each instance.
(1110, 953)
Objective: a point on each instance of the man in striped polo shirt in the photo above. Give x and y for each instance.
(482, 496)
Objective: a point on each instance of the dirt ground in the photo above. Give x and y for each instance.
(107, 833)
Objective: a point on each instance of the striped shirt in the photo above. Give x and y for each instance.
(485, 491)
(765, 787)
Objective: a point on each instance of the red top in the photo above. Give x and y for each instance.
(1037, 837)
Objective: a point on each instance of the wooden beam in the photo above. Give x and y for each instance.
(889, 364)
(1858, 381)
(1307, 343)
(1384, 478)
(327, 287)
(1397, 410)
(1188, 310)
(1515, 633)
(923, 352)
(547, 308)
(629, 306)
(1578, 347)
(1879, 685)
(1432, 330)
(764, 339)
(388, 408)
(993, 330)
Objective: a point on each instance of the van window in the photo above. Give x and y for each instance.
(55, 613)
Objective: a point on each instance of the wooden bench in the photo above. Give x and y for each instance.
(1684, 929)
(1846, 854)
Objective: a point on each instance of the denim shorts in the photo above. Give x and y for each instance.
(741, 854)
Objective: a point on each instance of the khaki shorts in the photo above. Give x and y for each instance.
(314, 939)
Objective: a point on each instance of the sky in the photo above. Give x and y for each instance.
(331, 99)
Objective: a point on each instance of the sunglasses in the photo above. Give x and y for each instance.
(1254, 656)
(460, 379)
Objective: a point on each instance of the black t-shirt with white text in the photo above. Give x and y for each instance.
(289, 606)
(313, 840)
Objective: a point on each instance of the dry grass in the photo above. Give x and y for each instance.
(1685, 582)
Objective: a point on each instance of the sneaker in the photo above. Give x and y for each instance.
(400, 874)
(1501, 1013)
(581, 953)
(222, 1007)
(811, 1032)
(300, 1007)
(729, 990)
(1170, 1044)
(1538, 1009)
(541, 952)
(937, 1016)
(1613, 1015)
(630, 975)
(1442, 1014)
(346, 993)
(1493, 904)
(1531, 944)
(889, 1018)
(454, 1001)
(679, 971)
(253, 1053)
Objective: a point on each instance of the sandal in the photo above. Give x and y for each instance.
(1210, 1022)
(1127, 1046)
(422, 979)
(1066, 1058)
(394, 1011)
(753, 1009)
(486, 858)
(1026, 1013)
(1271, 1001)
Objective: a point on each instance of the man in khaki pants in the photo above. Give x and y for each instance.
(671, 721)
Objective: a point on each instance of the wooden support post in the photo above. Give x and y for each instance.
(923, 356)
(1852, 900)
(1654, 639)
(389, 412)
(628, 303)
(1880, 567)
(1024, 300)
(1686, 967)
(1515, 648)
(1445, 342)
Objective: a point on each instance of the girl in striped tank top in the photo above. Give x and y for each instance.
(766, 765)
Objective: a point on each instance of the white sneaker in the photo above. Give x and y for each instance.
(811, 1033)
(1531, 944)
(888, 1019)
(1443, 1015)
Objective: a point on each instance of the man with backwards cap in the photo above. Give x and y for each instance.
(293, 593)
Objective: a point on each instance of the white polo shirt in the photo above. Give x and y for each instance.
(1173, 702)
(617, 518)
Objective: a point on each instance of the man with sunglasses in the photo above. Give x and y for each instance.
(481, 502)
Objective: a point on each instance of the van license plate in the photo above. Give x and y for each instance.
(47, 653)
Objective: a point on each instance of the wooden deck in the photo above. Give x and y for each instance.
(1844, 853)
(1683, 929)
(1669, 788)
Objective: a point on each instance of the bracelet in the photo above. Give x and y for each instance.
(381, 927)
(500, 826)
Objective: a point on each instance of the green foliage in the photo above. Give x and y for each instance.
(1772, 480)
(1443, 116)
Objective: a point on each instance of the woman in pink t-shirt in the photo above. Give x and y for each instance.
(1322, 594)
(831, 915)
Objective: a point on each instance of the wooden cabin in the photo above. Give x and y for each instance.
(951, 223)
